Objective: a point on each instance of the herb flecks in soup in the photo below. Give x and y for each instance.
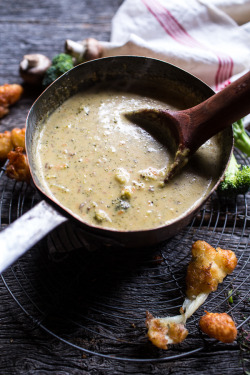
(108, 171)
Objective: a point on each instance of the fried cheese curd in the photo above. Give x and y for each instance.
(10, 140)
(164, 331)
(219, 326)
(207, 268)
(9, 94)
(6, 144)
(18, 167)
(18, 137)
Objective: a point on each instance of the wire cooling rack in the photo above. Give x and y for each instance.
(95, 298)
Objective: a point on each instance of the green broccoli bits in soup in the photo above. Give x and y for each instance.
(108, 171)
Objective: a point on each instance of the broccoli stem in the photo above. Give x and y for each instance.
(233, 167)
(241, 138)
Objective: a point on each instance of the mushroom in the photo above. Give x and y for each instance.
(33, 67)
(88, 49)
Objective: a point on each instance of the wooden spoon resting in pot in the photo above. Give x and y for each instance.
(194, 126)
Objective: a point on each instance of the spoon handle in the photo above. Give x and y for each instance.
(216, 113)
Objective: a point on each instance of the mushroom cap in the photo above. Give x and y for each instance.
(33, 67)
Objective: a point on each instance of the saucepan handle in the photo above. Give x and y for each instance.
(26, 231)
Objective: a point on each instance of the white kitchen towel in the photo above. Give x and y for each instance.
(208, 38)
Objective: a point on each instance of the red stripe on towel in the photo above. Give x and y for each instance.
(177, 32)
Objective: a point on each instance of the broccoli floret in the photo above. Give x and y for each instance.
(121, 204)
(241, 138)
(50, 76)
(236, 180)
(61, 63)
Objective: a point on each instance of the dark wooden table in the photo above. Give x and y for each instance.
(25, 348)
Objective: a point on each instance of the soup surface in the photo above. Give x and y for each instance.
(108, 171)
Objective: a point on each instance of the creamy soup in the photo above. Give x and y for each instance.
(108, 171)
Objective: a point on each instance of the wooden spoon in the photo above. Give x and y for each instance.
(194, 126)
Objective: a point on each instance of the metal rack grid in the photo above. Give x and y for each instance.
(95, 298)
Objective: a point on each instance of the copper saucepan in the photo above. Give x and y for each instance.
(120, 71)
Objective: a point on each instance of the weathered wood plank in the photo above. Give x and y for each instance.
(42, 27)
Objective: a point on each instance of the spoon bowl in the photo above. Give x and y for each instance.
(194, 126)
